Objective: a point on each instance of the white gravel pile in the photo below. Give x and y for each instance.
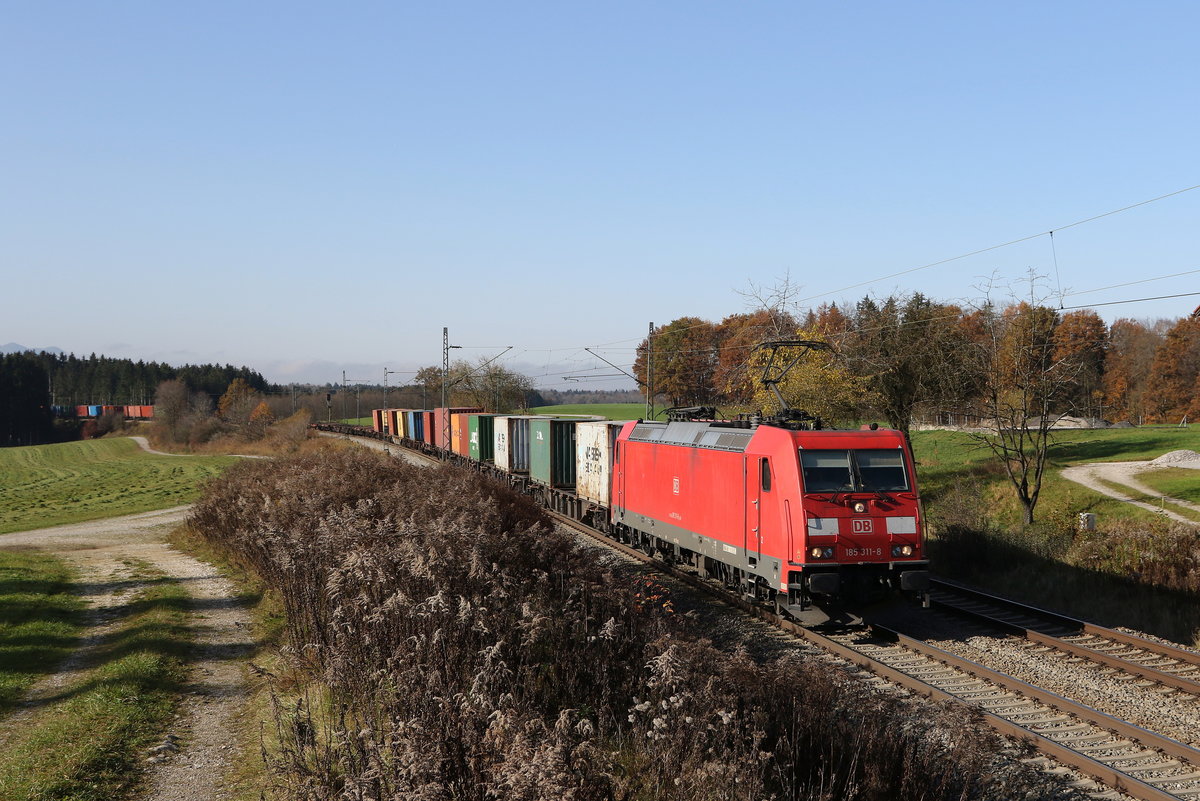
(1180, 458)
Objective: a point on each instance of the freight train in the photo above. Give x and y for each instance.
(814, 521)
(89, 411)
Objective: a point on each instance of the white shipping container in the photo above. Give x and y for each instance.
(500, 451)
(595, 444)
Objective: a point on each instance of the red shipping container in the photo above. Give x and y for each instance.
(441, 418)
(148, 412)
(429, 434)
(377, 419)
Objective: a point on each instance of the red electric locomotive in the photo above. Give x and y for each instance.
(805, 518)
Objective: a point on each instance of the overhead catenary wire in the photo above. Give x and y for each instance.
(1009, 243)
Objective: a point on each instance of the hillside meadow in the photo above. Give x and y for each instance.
(50, 485)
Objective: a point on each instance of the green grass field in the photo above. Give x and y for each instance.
(1175, 482)
(49, 485)
(948, 461)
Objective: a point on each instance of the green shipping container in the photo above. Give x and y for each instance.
(480, 433)
(552, 451)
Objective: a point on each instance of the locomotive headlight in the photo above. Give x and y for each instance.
(821, 553)
(903, 550)
(859, 507)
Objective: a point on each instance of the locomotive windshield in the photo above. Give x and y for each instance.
(853, 471)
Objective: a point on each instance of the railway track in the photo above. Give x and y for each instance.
(1137, 656)
(1115, 753)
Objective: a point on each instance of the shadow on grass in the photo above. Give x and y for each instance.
(1115, 449)
(154, 625)
(1030, 569)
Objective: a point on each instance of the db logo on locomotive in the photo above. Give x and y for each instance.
(862, 526)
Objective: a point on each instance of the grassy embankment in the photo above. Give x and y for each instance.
(82, 741)
(49, 485)
(1134, 570)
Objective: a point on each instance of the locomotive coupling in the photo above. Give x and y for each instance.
(914, 580)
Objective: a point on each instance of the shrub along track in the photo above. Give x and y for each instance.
(101, 551)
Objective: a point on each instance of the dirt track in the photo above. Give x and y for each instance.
(205, 726)
(1124, 473)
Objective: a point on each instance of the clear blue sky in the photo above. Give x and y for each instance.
(306, 188)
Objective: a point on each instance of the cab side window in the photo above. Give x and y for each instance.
(765, 472)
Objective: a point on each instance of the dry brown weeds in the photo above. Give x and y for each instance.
(461, 648)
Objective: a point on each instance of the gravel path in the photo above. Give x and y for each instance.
(190, 763)
(1124, 473)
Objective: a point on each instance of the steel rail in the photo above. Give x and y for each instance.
(1178, 681)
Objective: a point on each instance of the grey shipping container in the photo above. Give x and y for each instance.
(511, 443)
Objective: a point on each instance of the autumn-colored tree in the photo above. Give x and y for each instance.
(238, 401)
(1080, 343)
(821, 384)
(828, 320)
(738, 335)
(1130, 352)
(684, 355)
(1174, 372)
(262, 414)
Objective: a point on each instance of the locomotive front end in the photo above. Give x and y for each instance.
(860, 521)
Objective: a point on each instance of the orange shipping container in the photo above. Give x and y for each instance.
(460, 430)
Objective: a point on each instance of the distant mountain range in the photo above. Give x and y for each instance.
(13, 347)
